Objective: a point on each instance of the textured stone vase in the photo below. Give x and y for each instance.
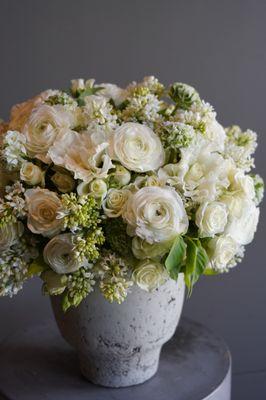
(120, 345)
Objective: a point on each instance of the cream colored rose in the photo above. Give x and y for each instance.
(142, 249)
(64, 182)
(221, 251)
(121, 175)
(77, 153)
(155, 214)
(115, 202)
(43, 126)
(137, 147)
(43, 207)
(9, 234)
(31, 174)
(59, 254)
(211, 218)
(243, 225)
(149, 275)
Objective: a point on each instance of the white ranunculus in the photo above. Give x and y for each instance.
(77, 153)
(149, 275)
(21, 112)
(43, 208)
(43, 125)
(98, 188)
(113, 92)
(59, 254)
(9, 234)
(142, 249)
(155, 214)
(203, 174)
(211, 218)
(137, 147)
(243, 223)
(221, 251)
(64, 182)
(31, 174)
(115, 202)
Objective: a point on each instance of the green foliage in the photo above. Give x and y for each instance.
(175, 258)
(117, 238)
(196, 262)
(37, 267)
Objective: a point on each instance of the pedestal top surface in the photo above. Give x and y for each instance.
(37, 364)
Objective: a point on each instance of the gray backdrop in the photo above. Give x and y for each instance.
(217, 46)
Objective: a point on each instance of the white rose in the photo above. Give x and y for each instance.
(215, 133)
(113, 92)
(137, 147)
(98, 188)
(211, 218)
(9, 234)
(121, 175)
(31, 174)
(64, 182)
(77, 153)
(242, 184)
(149, 275)
(43, 207)
(42, 128)
(170, 174)
(115, 202)
(155, 214)
(243, 226)
(222, 250)
(142, 249)
(59, 254)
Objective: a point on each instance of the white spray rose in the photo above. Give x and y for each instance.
(31, 174)
(156, 214)
(59, 254)
(43, 208)
(149, 275)
(211, 218)
(98, 188)
(121, 175)
(243, 224)
(137, 147)
(142, 249)
(64, 182)
(42, 128)
(77, 153)
(221, 251)
(115, 202)
(9, 234)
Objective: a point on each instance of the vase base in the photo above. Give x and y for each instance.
(116, 373)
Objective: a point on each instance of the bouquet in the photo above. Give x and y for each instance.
(110, 187)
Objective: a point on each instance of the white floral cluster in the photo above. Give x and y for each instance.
(153, 160)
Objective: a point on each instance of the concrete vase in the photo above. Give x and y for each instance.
(120, 345)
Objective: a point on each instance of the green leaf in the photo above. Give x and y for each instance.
(210, 272)
(37, 267)
(175, 258)
(196, 262)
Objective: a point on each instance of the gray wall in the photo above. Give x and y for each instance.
(217, 46)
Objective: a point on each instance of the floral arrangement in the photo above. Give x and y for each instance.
(113, 187)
